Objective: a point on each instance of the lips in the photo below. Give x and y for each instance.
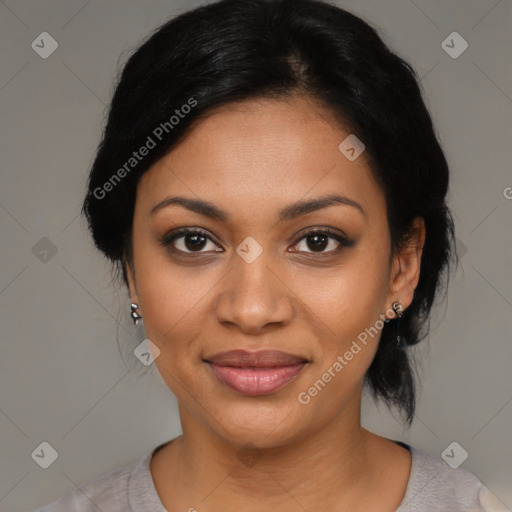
(256, 373)
(260, 359)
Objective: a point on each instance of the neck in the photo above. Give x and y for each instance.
(332, 466)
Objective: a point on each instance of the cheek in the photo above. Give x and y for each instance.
(173, 312)
(346, 304)
(169, 295)
(344, 354)
(347, 298)
(174, 308)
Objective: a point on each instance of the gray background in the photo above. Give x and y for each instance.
(62, 377)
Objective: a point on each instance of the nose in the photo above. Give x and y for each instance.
(253, 297)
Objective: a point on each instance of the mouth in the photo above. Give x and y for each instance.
(256, 373)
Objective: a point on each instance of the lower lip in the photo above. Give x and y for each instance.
(256, 381)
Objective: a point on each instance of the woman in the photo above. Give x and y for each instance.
(271, 189)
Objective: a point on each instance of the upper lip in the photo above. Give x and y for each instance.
(258, 359)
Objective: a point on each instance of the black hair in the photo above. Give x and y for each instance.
(235, 50)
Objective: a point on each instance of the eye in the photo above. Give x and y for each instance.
(189, 241)
(195, 240)
(322, 241)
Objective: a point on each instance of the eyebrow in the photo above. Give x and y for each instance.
(290, 212)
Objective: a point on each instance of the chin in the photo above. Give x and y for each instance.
(263, 427)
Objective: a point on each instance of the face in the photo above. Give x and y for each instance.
(251, 258)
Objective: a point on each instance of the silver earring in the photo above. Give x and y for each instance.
(135, 316)
(399, 310)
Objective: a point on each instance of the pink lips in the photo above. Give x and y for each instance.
(256, 373)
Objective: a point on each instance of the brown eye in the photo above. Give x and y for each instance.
(190, 241)
(322, 241)
(317, 243)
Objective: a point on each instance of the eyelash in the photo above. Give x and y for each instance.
(343, 241)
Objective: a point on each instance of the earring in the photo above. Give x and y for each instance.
(399, 310)
(135, 316)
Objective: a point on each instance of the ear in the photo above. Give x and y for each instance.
(406, 266)
(132, 285)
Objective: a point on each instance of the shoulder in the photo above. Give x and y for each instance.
(108, 493)
(434, 485)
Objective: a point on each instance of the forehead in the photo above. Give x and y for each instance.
(262, 153)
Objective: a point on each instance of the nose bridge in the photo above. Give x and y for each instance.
(253, 296)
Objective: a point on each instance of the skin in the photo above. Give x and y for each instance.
(252, 159)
